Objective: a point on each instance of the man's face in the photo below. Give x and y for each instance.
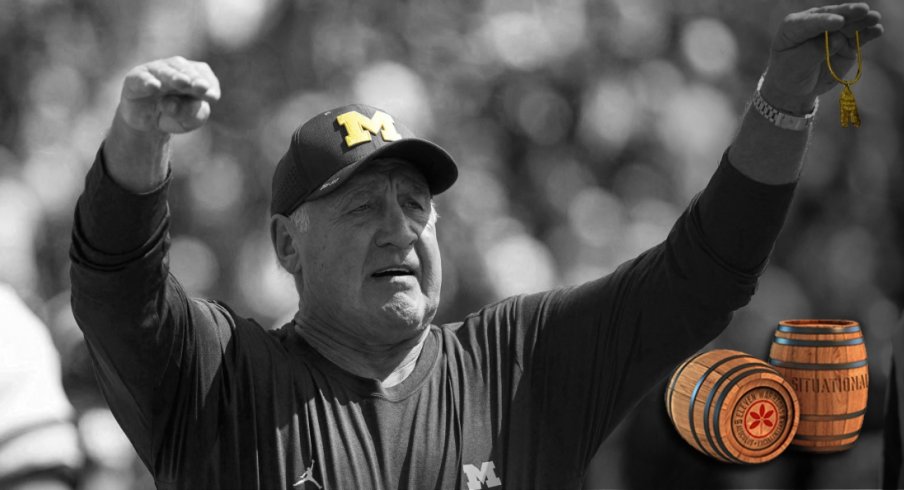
(370, 259)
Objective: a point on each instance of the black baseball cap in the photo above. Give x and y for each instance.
(326, 150)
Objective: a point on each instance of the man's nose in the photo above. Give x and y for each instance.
(396, 228)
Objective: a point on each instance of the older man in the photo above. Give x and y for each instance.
(361, 390)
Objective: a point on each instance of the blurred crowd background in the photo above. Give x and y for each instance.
(582, 128)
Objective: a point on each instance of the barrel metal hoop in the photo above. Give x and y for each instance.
(817, 343)
(697, 390)
(817, 367)
(815, 417)
(725, 393)
(818, 330)
(836, 437)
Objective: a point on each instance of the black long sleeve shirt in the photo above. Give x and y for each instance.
(517, 395)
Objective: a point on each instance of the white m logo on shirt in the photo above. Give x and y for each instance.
(486, 474)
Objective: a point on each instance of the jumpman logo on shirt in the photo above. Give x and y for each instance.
(308, 476)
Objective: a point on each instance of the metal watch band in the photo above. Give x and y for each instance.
(779, 118)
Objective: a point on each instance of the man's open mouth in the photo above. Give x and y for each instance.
(393, 271)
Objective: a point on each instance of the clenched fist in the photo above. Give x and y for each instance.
(171, 95)
(159, 99)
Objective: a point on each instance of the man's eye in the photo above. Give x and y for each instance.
(362, 208)
(416, 205)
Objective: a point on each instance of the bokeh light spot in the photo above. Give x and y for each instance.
(709, 46)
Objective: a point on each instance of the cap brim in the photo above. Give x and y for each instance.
(432, 161)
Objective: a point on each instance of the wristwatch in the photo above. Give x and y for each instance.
(779, 118)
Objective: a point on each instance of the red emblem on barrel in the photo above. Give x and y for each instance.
(759, 420)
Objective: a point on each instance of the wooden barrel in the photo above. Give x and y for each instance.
(825, 362)
(732, 406)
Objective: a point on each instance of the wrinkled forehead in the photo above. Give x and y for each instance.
(388, 169)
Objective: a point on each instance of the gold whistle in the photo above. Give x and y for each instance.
(847, 103)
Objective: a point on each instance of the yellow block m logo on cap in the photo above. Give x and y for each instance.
(360, 128)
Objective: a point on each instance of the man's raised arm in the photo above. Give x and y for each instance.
(135, 316)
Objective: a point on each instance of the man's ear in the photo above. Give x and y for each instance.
(285, 237)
